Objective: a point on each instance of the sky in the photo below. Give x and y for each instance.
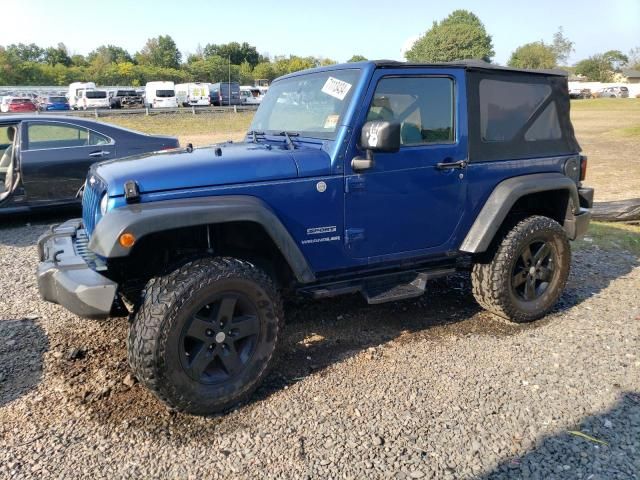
(328, 28)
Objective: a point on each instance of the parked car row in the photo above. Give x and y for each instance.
(86, 96)
(605, 92)
(168, 94)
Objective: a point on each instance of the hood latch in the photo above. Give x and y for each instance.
(131, 191)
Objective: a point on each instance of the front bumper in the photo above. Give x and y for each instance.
(64, 277)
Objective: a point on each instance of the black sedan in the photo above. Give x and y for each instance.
(44, 159)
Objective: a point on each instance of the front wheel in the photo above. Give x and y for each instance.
(205, 334)
(527, 272)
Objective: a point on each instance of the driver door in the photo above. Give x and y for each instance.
(410, 202)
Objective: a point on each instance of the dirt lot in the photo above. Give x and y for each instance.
(426, 388)
(608, 130)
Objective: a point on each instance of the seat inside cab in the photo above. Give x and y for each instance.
(7, 147)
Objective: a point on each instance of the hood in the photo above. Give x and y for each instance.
(238, 163)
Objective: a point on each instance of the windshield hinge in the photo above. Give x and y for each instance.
(352, 235)
(354, 183)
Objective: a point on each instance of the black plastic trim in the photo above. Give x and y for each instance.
(586, 197)
(145, 218)
(504, 196)
(65, 278)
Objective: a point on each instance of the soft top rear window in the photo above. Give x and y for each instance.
(505, 107)
(515, 115)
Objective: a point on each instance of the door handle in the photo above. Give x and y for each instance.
(447, 165)
(99, 153)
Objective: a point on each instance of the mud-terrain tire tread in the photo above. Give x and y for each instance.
(488, 278)
(163, 297)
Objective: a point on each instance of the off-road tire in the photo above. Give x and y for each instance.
(154, 340)
(492, 276)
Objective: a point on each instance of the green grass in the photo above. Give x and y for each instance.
(633, 132)
(612, 237)
(606, 104)
(184, 124)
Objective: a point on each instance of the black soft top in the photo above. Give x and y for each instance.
(475, 65)
(512, 113)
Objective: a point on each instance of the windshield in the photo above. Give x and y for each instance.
(57, 99)
(96, 94)
(20, 100)
(311, 104)
(165, 93)
(126, 93)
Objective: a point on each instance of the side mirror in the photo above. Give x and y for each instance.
(376, 137)
(380, 137)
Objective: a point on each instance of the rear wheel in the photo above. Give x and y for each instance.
(527, 272)
(205, 334)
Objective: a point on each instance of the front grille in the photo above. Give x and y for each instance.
(82, 248)
(91, 203)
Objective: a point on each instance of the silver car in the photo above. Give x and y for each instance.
(614, 92)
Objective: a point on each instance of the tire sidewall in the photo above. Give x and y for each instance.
(555, 236)
(190, 298)
(561, 259)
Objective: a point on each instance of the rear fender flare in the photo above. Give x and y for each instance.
(502, 199)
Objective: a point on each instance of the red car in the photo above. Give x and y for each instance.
(17, 105)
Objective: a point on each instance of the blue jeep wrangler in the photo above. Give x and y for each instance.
(370, 177)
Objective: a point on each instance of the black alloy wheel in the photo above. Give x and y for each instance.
(534, 270)
(219, 339)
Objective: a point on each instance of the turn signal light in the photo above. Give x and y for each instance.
(127, 240)
(583, 167)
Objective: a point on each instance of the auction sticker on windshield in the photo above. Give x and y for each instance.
(336, 88)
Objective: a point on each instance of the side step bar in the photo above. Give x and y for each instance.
(380, 288)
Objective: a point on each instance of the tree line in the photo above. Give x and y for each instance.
(462, 35)
(158, 59)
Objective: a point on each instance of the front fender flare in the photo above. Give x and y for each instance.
(145, 218)
(504, 196)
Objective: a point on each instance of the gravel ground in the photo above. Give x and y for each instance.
(417, 389)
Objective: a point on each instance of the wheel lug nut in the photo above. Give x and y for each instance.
(211, 347)
(209, 332)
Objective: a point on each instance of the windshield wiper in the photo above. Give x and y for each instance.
(254, 135)
(288, 135)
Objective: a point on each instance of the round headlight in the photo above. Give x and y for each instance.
(103, 204)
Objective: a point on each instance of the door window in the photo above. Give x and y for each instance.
(423, 106)
(56, 135)
(97, 139)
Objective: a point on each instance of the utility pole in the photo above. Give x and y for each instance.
(229, 80)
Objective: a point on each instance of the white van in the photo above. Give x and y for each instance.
(75, 91)
(250, 95)
(192, 94)
(92, 98)
(160, 95)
